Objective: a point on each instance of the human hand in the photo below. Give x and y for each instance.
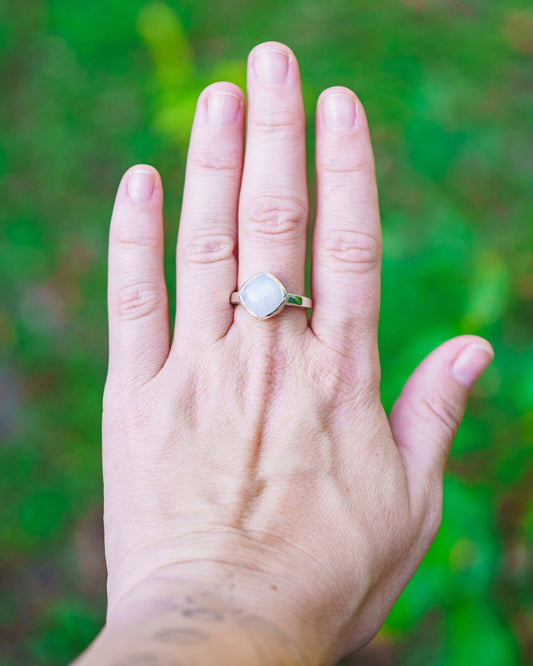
(252, 460)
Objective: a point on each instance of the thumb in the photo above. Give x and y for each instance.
(426, 416)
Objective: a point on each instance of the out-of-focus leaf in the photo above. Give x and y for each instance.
(62, 629)
(460, 564)
(488, 291)
(475, 634)
(176, 80)
(43, 512)
(229, 70)
(160, 27)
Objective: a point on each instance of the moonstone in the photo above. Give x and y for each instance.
(262, 295)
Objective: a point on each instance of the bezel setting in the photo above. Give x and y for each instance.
(262, 312)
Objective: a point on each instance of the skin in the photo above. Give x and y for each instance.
(260, 506)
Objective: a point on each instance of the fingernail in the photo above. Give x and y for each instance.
(223, 107)
(339, 111)
(271, 67)
(471, 364)
(141, 184)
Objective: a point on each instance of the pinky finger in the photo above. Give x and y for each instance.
(137, 295)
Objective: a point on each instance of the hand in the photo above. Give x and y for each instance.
(252, 461)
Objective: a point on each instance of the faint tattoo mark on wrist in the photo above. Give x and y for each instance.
(206, 614)
(182, 636)
(146, 659)
(270, 642)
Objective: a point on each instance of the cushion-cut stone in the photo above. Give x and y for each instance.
(262, 295)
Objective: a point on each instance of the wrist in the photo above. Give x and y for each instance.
(249, 627)
(263, 583)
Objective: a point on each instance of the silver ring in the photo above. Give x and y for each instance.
(263, 296)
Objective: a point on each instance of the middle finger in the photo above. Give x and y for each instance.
(273, 205)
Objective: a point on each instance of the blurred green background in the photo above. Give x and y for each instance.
(87, 89)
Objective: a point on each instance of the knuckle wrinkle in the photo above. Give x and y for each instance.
(273, 121)
(276, 217)
(213, 161)
(138, 301)
(207, 248)
(357, 250)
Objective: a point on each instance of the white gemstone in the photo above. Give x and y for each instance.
(262, 295)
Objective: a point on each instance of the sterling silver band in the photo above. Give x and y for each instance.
(292, 299)
(264, 296)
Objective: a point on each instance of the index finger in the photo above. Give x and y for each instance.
(347, 236)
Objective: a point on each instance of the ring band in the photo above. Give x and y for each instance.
(264, 296)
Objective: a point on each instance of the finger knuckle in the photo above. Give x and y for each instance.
(217, 161)
(443, 409)
(206, 247)
(346, 163)
(139, 300)
(279, 217)
(341, 172)
(273, 121)
(135, 240)
(357, 251)
(344, 382)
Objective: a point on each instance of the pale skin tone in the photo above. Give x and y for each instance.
(260, 506)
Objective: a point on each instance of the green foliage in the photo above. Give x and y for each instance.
(488, 291)
(62, 628)
(465, 548)
(89, 89)
(455, 584)
(175, 76)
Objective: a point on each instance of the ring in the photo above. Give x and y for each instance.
(264, 296)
